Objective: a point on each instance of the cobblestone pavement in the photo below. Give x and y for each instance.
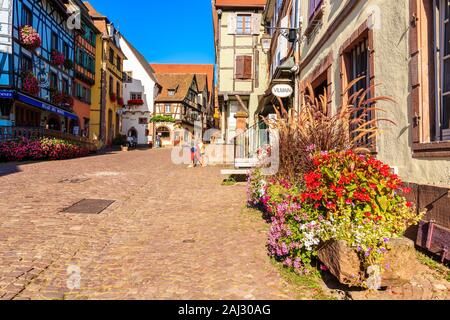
(172, 233)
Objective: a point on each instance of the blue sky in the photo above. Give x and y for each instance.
(168, 31)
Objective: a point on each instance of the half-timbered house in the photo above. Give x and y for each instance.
(36, 74)
(178, 103)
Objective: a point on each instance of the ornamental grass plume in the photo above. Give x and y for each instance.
(313, 129)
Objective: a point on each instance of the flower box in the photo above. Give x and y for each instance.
(29, 38)
(120, 101)
(57, 58)
(135, 102)
(30, 83)
(113, 97)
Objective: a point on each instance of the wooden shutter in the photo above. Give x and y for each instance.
(414, 74)
(240, 61)
(232, 23)
(256, 23)
(248, 67)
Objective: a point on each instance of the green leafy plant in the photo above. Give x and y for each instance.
(162, 118)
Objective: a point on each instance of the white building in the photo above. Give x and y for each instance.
(140, 90)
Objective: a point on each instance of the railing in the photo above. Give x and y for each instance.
(14, 133)
(247, 143)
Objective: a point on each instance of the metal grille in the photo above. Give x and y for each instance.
(89, 206)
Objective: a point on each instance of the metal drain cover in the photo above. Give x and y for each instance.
(89, 206)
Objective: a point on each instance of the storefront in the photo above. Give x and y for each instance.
(21, 110)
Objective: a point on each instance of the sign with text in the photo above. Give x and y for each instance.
(282, 90)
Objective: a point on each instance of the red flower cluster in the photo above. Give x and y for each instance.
(112, 97)
(312, 180)
(135, 102)
(348, 179)
(30, 84)
(57, 58)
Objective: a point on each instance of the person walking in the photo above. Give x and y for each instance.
(193, 156)
(202, 153)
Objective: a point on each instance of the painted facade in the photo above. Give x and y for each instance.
(241, 62)
(140, 90)
(48, 103)
(106, 120)
(85, 69)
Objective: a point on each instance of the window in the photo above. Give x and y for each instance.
(55, 41)
(171, 92)
(118, 85)
(119, 63)
(244, 24)
(167, 109)
(66, 50)
(65, 86)
(442, 63)
(136, 96)
(111, 56)
(53, 81)
(357, 64)
(111, 85)
(128, 76)
(143, 120)
(26, 64)
(244, 67)
(27, 16)
(314, 7)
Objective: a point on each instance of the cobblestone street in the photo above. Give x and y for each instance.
(172, 232)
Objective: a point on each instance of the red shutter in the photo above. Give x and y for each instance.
(248, 67)
(240, 61)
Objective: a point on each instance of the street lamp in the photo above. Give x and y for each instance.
(291, 34)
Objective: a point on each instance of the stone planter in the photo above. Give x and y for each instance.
(399, 266)
(124, 149)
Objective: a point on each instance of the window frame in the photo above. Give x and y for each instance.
(167, 106)
(426, 139)
(243, 30)
(27, 16)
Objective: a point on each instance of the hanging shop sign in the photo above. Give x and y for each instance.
(282, 90)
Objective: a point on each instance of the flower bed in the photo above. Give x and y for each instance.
(29, 38)
(43, 149)
(345, 196)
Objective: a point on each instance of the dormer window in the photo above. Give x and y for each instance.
(171, 92)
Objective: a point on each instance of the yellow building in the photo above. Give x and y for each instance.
(107, 97)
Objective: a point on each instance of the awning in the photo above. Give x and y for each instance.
(44, 106)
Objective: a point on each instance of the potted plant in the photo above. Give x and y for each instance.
(29, 38)
(30, 83)
(120, 101)
(121, 140)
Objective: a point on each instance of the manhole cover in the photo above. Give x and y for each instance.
(89, 206)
